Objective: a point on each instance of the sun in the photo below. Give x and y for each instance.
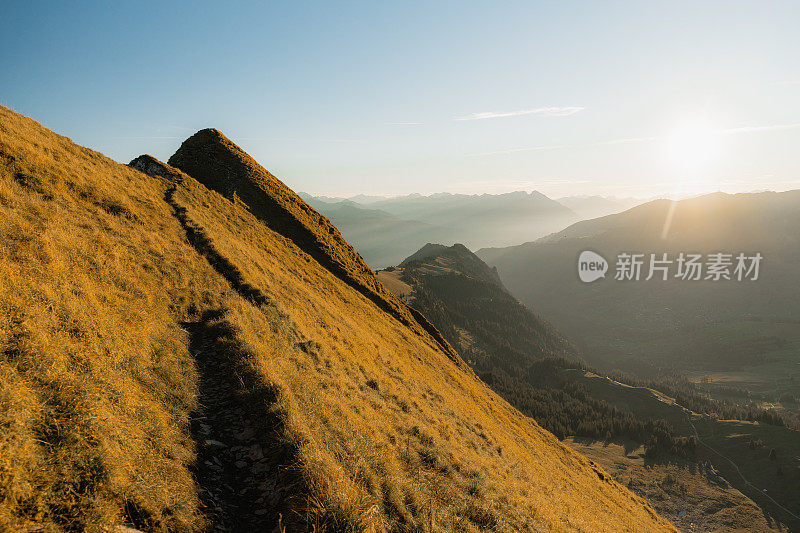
(693, 145)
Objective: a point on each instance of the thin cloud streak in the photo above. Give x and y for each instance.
(546, 111)
(145, 137)
(294, 139)
(774, 127)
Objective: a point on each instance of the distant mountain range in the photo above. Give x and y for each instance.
(597, 206)
(385, 230)
(675, 323)
(381, 238)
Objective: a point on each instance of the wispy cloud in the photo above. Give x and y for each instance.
(772, 127)
(546, 111)
(145, 137)
(302, 140)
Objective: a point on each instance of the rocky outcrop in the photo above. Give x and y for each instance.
(153, 167)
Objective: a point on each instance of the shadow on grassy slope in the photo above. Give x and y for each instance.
(200, 241)
(241, 470)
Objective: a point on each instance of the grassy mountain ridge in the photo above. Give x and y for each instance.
(218, 163)
(457, 259)
(123, 294)
(459, 280)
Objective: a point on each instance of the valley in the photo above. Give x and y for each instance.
(690, 444)
(694, 498)
(725, 444)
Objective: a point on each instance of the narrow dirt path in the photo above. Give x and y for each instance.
(238, 469)
(200, 241)
(238, 480)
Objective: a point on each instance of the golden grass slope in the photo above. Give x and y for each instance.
(98, 384)
(221, 165)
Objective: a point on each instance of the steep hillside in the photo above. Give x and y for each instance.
(171, 359)
(219, 164)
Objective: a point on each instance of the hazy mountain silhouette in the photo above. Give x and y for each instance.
(407, 222)
(587, 207)
(381, 238)
(674, 323)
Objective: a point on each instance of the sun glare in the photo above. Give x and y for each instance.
(693, 145)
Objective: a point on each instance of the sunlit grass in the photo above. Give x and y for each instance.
(379, 430)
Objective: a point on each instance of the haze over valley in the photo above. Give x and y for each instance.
(385, 231)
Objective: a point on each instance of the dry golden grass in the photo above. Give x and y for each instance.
(391, 280)
(410, 439)
(97, 383)
(220, 165)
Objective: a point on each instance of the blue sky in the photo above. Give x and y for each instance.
(614, 98)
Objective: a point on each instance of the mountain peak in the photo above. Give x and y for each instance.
(214, 160)
(218, 163)
(453, 259)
